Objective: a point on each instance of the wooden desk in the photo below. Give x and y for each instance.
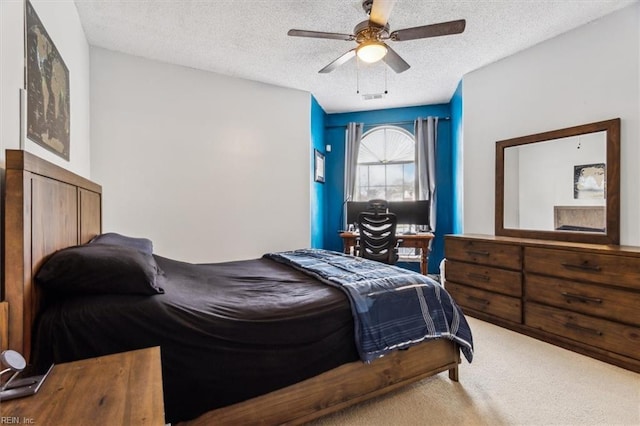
(420, 240)
(120, 389)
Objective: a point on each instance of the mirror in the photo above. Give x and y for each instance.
(561, 185)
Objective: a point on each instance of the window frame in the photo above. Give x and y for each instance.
(382, 128)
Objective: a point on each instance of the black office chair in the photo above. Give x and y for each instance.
(377, 239)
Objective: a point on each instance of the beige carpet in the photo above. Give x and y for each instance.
(513, 380)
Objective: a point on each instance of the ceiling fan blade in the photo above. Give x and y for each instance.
(395, 61)
(380, 11)
(341, 60)
(320, 34)
(426, 31)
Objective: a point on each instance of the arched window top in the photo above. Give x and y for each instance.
(386, 144)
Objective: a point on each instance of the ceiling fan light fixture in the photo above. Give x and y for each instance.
(371, 51)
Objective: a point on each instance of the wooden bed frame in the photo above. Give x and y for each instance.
(47, 208)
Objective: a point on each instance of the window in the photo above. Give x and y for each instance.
(387, 170)
(386, 165)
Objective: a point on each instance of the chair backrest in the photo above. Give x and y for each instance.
(377, 206)
(378, 236)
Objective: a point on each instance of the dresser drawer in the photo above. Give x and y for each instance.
(605, 302)
(607, 335)
(622, 271)
(485, 277)
(507, 256)
(509, 308)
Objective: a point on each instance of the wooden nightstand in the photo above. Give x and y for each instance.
(119, 389)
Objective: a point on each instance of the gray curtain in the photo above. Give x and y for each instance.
(426, 134)
(352, 146)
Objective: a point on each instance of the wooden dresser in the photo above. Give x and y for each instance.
(583, 297)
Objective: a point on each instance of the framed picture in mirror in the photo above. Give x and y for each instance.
(589, 181)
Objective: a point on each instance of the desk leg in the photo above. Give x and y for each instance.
(348, 244)
(424, 259)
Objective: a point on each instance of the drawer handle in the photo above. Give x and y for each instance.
(582, 267)
(478, 276)
(581, 298)
(479, 300)
(583, 329)
(478, 253)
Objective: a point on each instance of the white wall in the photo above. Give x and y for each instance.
(589, 74)
(62, 22)
(210, 167)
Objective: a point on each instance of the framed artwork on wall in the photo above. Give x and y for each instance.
(318, 166)
(48, 101)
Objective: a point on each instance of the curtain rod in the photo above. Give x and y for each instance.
(396, 123)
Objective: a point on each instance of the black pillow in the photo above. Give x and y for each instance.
(143, 244)
(101, 269)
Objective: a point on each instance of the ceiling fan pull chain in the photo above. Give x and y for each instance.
(385, 80)
(357, 76)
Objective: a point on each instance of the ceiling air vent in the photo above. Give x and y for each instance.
(372, 96)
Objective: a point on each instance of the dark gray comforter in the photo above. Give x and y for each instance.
(227, 331)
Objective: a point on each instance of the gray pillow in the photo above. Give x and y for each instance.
(101, 269)
(143, 244)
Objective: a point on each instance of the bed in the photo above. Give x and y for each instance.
(306, 373)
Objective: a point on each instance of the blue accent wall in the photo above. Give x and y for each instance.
(334, 135)
(318, 204)
(456, 153)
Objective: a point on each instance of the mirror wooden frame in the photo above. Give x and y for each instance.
(612, 233)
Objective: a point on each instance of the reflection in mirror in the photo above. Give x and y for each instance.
(544, 181)
(561, 185)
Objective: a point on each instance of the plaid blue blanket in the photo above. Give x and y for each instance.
(393, 308)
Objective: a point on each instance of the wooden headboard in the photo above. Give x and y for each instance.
(46, 208)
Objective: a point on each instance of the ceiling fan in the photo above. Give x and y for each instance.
(372, 34)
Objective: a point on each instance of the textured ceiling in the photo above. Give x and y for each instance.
(248, 39)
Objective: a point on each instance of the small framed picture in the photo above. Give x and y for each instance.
(589, 181)
(318, 166)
